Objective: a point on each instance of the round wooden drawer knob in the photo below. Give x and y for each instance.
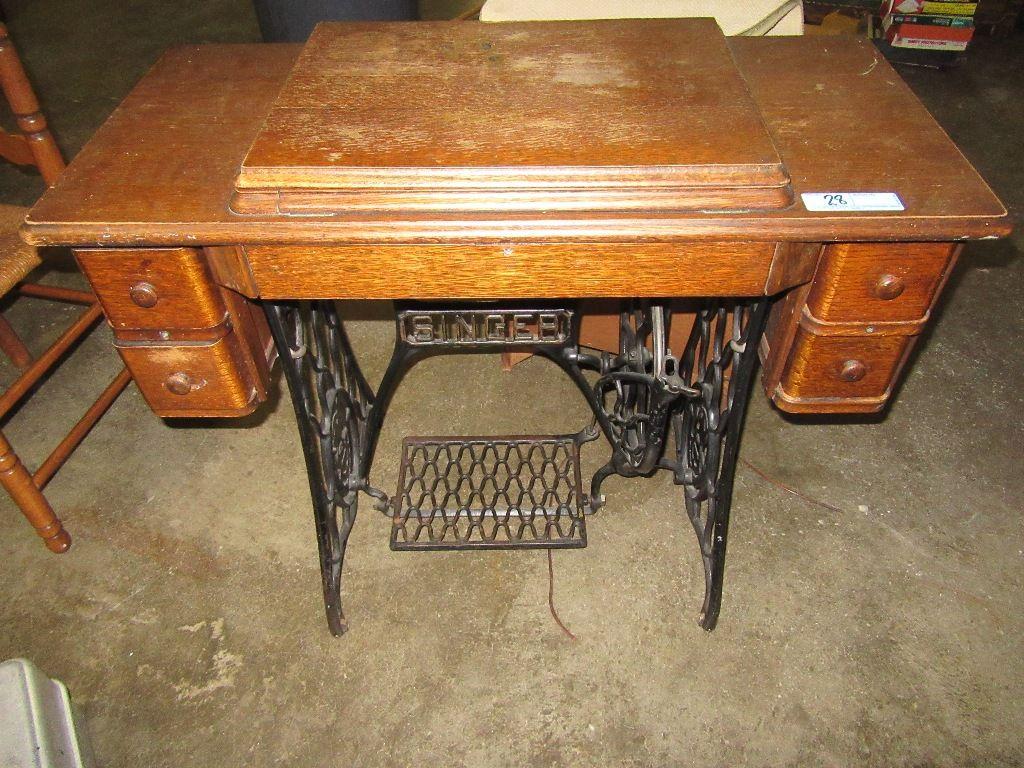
(179, 383)
(143, 295)
(889, 287)
(853, 370)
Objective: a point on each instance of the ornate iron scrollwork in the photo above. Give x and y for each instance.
(703, 395)
(332, 403)
(719, 360)
(640, 396)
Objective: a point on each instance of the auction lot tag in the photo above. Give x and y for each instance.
(852, 201)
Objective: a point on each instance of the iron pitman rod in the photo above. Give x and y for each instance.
(638, 397)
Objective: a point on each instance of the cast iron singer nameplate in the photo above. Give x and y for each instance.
(634, 201)
(470, 327)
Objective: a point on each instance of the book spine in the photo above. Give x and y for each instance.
(960, 22)
(948, 8)
(930, 45)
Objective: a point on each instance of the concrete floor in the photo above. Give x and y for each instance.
(187, 621)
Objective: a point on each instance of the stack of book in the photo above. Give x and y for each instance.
(934, 25)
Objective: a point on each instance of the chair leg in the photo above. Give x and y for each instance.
(13, 346)
(18, 483)
(77, 434)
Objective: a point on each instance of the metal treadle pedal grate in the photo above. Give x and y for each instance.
(489, 493)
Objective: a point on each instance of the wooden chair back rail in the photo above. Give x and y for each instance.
(42, 149)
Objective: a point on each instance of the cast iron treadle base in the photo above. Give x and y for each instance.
(505, 492)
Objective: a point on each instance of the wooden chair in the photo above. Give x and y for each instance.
(33, 145)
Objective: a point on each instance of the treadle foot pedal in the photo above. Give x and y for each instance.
(514, 492)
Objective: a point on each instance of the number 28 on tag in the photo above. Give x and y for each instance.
(852, 201)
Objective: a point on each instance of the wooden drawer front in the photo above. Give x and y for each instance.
(878, 282)
(851, 374)
(516, 270)
(202, 379)
(154, 288)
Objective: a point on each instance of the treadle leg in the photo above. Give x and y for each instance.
(720, 359)
(331, 400)
(330, 575)
(596, 497)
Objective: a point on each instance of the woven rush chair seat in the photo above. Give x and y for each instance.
(17, 258)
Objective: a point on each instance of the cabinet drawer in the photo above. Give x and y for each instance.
(878, 282)
(511, 270)
(851, 374)
(154, 288)
(193, 379)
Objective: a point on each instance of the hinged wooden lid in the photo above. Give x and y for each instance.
(538, 116)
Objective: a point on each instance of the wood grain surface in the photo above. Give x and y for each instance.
(794, 264)
(257, 352)
(229, 268)
(812, 380)
(214, 378)
(511, 271)
(878, 282)
(177, 281)
(161, 170)
(780, 332)
(865, 304)
(569, 115)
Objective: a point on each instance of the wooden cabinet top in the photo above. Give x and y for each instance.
(637, 114)
(163, 169)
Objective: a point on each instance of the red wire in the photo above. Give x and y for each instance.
(551, 598)
(778, 484)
